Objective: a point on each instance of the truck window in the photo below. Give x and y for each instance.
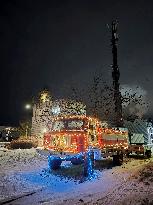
(75, 124)
(58, 125)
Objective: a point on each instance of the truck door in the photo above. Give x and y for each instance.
(80, 143)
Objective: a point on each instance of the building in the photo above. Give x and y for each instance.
(140, 132)
(8, 133)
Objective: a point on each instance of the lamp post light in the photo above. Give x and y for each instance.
(27, 106)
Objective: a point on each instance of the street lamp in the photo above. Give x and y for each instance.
(28, 107)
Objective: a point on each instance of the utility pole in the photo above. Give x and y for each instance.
(116, 75)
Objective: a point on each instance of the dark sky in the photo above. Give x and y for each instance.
(57, 42)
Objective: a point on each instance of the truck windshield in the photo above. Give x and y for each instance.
(68, 124)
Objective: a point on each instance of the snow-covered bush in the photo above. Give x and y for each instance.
(22, 144)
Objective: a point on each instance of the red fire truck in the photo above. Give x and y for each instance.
(74, 134)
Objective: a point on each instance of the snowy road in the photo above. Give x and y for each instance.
(25, 173)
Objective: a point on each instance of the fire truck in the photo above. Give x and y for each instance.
(75, 134)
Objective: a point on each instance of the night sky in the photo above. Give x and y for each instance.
(57, 43)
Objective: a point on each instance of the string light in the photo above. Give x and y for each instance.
(68, 139)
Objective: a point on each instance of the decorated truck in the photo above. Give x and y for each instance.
(75, 134)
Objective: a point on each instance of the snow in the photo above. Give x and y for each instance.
(26, 171)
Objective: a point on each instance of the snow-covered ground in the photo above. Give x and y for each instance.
(25, 179)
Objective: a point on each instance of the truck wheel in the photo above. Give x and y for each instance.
(128, 155)
(148, 153)
(118, 159)
(54, 162)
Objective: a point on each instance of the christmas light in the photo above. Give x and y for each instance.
(68, 139)
(88, 164)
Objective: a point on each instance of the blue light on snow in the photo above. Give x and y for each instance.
(88, 165)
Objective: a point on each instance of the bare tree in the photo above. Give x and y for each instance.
(98, 97)
(24, 129)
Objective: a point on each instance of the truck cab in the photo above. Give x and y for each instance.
(73, 134)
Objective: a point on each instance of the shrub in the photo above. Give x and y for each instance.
(22, 144)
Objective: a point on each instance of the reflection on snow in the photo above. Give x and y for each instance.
(47, 179)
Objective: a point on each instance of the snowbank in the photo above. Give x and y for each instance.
(25, 171)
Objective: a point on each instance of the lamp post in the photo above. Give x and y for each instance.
(28, 107)
(26, 131)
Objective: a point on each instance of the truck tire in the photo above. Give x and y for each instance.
(118, 159)
(148, 153)
(128, 154)
(54, 162)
